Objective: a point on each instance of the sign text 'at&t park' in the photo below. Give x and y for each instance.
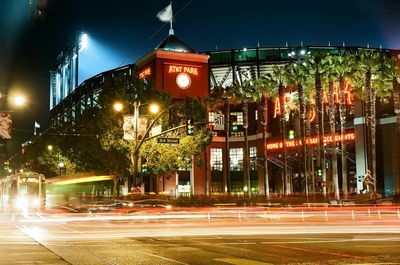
(309, 141)
(183, 69)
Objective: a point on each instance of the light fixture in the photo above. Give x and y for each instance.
(118, 106)
(83, 42)
(154, 108)
(19, 100)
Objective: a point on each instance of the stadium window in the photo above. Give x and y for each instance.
(211, 117)
(216, 159)
(239, 117)
(236, 158)
(253, 158)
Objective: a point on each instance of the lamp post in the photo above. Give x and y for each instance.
(154, 108)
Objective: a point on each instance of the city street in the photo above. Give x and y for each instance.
(204, 236)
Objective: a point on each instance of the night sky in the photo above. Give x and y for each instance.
(127, 29)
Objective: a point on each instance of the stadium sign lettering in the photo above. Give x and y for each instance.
(289, 102)
(183, 69)
(309, 141)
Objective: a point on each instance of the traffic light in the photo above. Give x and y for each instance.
(145, 168)
(6, 165)
(291, 134)
(234, 124)
(319, 172)
(190, 127)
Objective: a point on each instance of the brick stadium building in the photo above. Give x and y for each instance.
(176, 68)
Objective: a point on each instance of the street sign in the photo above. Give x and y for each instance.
(219, 122)
(168, 140)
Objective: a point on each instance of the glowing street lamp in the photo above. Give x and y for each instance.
(118, 106)
(19, 100)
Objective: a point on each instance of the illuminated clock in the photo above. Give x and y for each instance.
(183, 80)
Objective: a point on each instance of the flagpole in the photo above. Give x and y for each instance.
(171, 30)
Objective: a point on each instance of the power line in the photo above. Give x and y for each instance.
(340, 26)
(155, 33)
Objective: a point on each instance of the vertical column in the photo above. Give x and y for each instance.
(360, 132)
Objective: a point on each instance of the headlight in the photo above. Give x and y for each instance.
(22, 203)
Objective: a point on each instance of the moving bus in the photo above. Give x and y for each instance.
(79, 187)
(22, 191)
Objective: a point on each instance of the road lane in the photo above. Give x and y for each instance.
(226, 239)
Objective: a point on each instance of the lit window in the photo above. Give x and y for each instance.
(211, 117)
(253, 158)
(236, 158)
(239, 117)
(216, 159)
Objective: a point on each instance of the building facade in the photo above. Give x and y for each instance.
(175, 68)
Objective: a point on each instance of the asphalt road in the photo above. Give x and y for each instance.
(203, 237)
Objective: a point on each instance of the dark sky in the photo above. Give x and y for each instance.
(29, 46)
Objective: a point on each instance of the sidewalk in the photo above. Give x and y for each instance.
(18, 248)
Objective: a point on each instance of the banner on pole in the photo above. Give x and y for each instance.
(129, 127)
(5, 125)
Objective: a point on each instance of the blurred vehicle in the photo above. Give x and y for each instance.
(80, 192)
(23, 191)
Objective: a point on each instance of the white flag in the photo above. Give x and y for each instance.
(37, 126)
(165, 14)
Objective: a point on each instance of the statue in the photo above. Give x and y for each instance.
(368, 183)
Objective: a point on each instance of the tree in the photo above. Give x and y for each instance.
(370, 63)
(332, 124)
(221, 98)
(131, 89)
(244, 92)
(261, 94)
(391, 74)
(297, 76)
(278, 77)
(343, 67)
(316, 66)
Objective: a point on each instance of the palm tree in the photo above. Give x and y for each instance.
(369, 65)
(317, 66)
(244, 93)
(262, 86)
(298, 77)
(220, 98)
(278, 76)
(332, 125)
(344, 67)
(392, 75)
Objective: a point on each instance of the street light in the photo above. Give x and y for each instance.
(18, 100)
(153, 108)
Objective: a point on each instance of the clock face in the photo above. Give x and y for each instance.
(183, 80)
